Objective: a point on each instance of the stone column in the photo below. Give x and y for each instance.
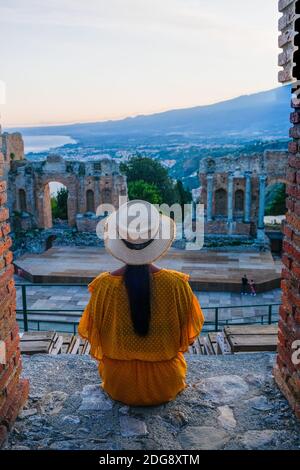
(209, 197)
(230, 198)
(247, 217)
(262, 195)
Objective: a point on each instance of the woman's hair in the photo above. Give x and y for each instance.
(137, 282)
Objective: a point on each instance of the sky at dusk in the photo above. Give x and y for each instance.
(74, 61)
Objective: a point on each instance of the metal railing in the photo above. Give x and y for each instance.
(28, 317)
(268, 318)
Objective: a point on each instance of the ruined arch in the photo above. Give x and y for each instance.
(22, 200)
(239, 200)
(44, 201)
(90, 200)
(220, 202)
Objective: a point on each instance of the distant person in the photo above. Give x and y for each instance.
(252, 287)
(244, 285)
(141, 319)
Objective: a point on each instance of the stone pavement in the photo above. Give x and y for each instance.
(77, 297)
(231, 402)
(209, 270)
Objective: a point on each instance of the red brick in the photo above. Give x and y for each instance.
(5, 229)
(297, 207)
(297, 317)
(8, 258)
(296, 239)
(290, 204)
(288, 232)
(293, 147)
(291, 175)
(295, 132)
(292, 190)
(17, 403)
(283, 313)
(2, 186)
(6, 276)
(3, 435)
(7, 323)
(294, 161)
(287, 261)
(5, 244)
(3, 198)
(286, 274)
(295, 118)
(4, 214)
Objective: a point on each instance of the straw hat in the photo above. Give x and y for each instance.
(137, 233)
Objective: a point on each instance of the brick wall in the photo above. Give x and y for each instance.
(287, 371)
(13, 390)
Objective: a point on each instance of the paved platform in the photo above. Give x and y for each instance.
(231, 403)
(209, 270)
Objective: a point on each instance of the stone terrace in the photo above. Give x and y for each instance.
(230, 403)
(208, 270)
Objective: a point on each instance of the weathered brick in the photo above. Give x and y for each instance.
(2, 186)
(291, 175)
(8, 256)
(293, 147)
(3, 435)
(295, 132)
(13, 391)
(3, 198)
(4, 214)
(5, 229)
(295, 118)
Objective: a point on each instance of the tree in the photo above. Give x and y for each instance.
(151, 171)
(146, 191)
(184, 195)
(59, 204)
(277, 204)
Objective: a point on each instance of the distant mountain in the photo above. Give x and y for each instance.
(264, 114)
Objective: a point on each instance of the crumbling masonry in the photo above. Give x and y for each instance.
(13, 390)
(287, 370)
(233, 191)
(90, 183)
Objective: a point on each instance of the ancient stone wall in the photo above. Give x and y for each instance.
(233, 191)
(287, 371)
(12, 148)
(13, 390)
(89, 184)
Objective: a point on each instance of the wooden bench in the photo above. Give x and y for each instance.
(49, 342)
(40, 342)
(252, 338)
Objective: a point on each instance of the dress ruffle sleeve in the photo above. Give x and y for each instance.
(192, 327)
(90, 322)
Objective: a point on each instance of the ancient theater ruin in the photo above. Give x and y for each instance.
(233, 402)
(233, 191)
(89, 184)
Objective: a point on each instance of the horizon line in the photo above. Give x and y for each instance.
(133, 116)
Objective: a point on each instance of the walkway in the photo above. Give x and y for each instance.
(68, 298)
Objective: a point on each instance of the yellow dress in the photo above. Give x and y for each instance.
(139, 370)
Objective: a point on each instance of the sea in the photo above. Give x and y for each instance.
(43, 143)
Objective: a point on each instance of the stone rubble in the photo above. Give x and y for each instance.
(231, 402)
